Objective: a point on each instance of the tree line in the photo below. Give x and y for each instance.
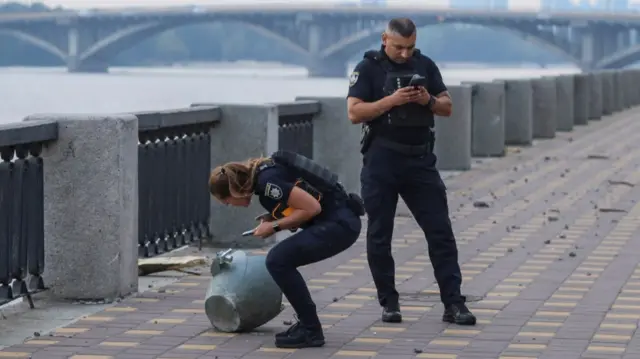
(234, 41)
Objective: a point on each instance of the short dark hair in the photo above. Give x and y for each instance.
(402, 26)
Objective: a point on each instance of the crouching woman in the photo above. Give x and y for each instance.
(296, 197)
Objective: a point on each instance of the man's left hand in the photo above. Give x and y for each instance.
(423, 96)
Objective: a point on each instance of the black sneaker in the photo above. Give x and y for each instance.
(291, 330)
(299, 336)
(391, 314)
(458, 314)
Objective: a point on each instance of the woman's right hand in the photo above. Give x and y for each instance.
(264, 230)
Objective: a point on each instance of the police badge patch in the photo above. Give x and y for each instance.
(273, 191)
(353, 78)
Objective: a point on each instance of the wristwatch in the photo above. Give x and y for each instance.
(276, 227)
(432, 101)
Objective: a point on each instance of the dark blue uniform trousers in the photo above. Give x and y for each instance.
(323, 239)
(385, 175)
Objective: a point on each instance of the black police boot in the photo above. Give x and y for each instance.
(391, 314)
(300, 336)
(458, 313)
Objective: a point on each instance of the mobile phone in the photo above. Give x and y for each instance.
(248, 233)
(417, 81)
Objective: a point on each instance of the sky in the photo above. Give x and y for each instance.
(82, 4)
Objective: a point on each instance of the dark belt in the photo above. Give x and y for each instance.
(410, 150)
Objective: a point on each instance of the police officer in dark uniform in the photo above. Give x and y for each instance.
(298, 194)
(394, 93)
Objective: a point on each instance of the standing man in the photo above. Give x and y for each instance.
(396, 109)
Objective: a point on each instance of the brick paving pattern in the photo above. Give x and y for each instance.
(553, 255)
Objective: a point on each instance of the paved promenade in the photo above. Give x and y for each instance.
(548, 239)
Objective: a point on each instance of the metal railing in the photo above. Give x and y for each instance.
(22, 208)
(295, 126)
(174, 160)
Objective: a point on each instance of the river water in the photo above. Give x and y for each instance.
(25, 91)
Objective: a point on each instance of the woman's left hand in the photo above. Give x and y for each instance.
(264, 230)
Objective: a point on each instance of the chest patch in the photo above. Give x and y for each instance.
(273, 191)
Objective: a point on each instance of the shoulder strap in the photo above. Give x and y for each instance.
(372, 55)
(377, 57)
(266, 164)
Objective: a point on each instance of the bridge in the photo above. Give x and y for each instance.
(326, 35)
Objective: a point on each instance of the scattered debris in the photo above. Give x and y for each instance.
(481, 204)
(597, 157)
(622, 183)
(148, 266)
(612, 210)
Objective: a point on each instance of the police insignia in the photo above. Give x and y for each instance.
(353, 78)
(273, 191)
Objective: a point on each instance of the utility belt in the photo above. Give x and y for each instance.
(409, 150)
(338, 197)
(353, 200)
(371, 133)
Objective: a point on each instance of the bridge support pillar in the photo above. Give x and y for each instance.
(327, 68)
(597, 44)
(589, 47)
(624, 39)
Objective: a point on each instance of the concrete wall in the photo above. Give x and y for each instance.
(545, 107)
(581, 99)
(333, 130)
(487, 119)
(247, 131)
(518, 112)
(91, 207)
(453, 134)
(564, 104)
(595, 96)
(91, 171)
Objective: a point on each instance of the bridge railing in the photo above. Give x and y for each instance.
(22, 241)
(117, 187)
(174, 159)
(295, 126)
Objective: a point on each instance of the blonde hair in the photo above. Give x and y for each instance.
(235, 179)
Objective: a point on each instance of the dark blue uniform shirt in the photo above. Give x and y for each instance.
(273, 187)
(367, 82)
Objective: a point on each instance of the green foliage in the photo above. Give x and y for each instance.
(224, 41)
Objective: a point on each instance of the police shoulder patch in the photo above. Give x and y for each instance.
(273, 191)
(353, 78)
